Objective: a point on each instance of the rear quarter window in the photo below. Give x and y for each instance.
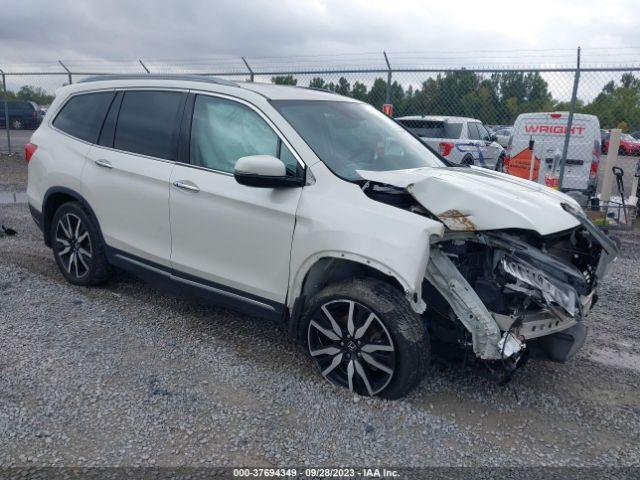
(83, 114)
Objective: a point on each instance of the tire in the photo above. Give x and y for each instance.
(17, 124)
(468, 160)
(78, 247)
(384, 351)
(500, 164)
(622, 151)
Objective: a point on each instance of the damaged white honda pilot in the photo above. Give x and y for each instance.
(318, 211)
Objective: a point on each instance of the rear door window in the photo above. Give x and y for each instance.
(148, 123)
(474, 134)
(82, 115)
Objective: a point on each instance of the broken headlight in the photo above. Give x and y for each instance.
(532, 280)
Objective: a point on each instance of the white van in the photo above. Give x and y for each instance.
(548, 130)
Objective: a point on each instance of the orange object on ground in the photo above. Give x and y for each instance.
(520, 165)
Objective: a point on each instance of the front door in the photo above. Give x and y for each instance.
(230, 237)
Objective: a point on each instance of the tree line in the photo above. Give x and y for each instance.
(495, 99)
(32, 94)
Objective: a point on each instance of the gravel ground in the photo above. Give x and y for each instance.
(125, 375)
(13, 173)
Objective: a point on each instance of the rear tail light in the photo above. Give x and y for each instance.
(34, 114)
(29, 150)
(445, 148)
(505, 163)
(593, 173)
(555, 115)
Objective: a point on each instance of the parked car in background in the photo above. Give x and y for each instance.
(317, 211)
(22, 115)
(459, 139)
(548, 131)
(629, 145)
(503, 135)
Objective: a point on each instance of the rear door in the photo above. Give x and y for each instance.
(127, 178)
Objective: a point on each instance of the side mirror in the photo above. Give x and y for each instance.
(264, 171)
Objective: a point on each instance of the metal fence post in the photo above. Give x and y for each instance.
(68, 71)
(5, 96)
(248, 68)
(144, 66)
(572, 109)
(388, 95)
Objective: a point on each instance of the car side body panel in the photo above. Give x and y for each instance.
(336, 219)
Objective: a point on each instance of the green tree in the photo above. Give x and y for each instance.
(359, 91)
(617, 104)
(318, 82)
(34, 94)
(284, 80)
(343, 87)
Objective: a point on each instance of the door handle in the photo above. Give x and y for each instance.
(186, 185)
(103, 164)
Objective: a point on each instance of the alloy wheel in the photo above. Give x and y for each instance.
(73, 245)
(351, 346)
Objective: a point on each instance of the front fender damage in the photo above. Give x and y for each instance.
(466, 304)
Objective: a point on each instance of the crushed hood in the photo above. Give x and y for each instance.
(469, 199)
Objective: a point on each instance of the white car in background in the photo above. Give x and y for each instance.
(503, 135)
(459, 139)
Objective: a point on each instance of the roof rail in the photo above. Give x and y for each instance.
(160, 76)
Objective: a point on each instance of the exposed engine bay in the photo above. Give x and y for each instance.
(511, 293)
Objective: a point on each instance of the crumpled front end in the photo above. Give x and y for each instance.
(515, 292)
(517, 269)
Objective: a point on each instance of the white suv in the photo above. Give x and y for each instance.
(459, 139)
(318, 211)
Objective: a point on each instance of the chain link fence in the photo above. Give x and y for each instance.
(515, 103)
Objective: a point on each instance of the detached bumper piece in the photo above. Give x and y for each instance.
(560, 346)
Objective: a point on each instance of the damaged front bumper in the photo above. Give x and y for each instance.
(510, 295)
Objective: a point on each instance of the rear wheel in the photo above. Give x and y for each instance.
(17, 124)
(77, 246)
(468, 160)
(363, 335)
(622, 151)
(500, 164)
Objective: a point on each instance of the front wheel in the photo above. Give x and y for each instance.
(17, 124)
(363, 335)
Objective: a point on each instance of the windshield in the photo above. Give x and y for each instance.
(350, 136)
(627, 137)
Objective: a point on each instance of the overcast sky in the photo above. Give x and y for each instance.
(197, 35)
(33, 30)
